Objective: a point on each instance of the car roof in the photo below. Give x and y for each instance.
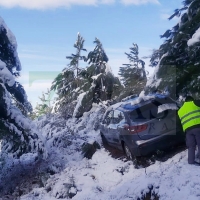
(132, 104)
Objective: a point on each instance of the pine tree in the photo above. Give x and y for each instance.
(98, 55)
(16, 134)
(74, 63)
(98, 59)
(44, 107)
(69, 83)
(154, 57)
(102, 84)
(133, 75)
(106, 83)
(179, 60)
(78, 88)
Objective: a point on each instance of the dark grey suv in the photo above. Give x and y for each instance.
(142, 125)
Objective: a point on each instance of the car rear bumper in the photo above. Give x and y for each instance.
(145, 147)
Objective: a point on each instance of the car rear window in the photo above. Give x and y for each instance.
(151, 111)
(145, 112)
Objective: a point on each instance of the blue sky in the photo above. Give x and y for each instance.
(46, 31)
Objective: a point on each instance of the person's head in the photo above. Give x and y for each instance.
(189, 98)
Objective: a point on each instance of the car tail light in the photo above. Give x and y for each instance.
(136, 129)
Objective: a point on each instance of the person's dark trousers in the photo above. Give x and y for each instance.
(192, 139)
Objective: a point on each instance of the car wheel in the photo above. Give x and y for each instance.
(128, 152)
(103, 139)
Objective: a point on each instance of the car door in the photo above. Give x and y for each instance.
(105, 126)
(115, 126)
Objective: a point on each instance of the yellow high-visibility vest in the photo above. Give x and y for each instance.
(189, 115)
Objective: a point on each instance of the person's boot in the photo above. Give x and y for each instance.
(197, 157)
(196, 163)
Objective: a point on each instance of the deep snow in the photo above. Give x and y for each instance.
(104, 177)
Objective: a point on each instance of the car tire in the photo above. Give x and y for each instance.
(105, 142)
(128, 153)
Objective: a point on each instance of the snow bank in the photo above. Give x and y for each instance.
(28, 158)
(104, 177)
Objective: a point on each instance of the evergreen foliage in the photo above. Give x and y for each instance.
(16, 134)
(133, 75)
(98, 55)
(44, 107)
(74, 63)
(102, 84)
(70, 82)
(102, 76)
(179, 61)
(78, 88)
(154, 58)
(9, 56)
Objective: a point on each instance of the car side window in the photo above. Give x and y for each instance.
(108, 118)
(118, 117)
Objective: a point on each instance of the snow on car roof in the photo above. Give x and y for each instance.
(131, 104)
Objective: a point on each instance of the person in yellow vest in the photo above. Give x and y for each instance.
(189, 115)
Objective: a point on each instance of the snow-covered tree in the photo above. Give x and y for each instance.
(98, 55)
(101, 83)
(44, 107)
(154, 58)
(74, 63)
(98, 59)
(16, 132)
(178, 69)
(133, 75)
(77, 91)
(69, 83)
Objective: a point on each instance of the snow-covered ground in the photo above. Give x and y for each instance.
(104, 177)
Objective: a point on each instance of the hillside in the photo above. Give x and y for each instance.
(67, 174)
(60, 155)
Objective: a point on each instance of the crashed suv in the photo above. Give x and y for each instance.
(142, 125)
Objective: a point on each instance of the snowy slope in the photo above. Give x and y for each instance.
(104, 177)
